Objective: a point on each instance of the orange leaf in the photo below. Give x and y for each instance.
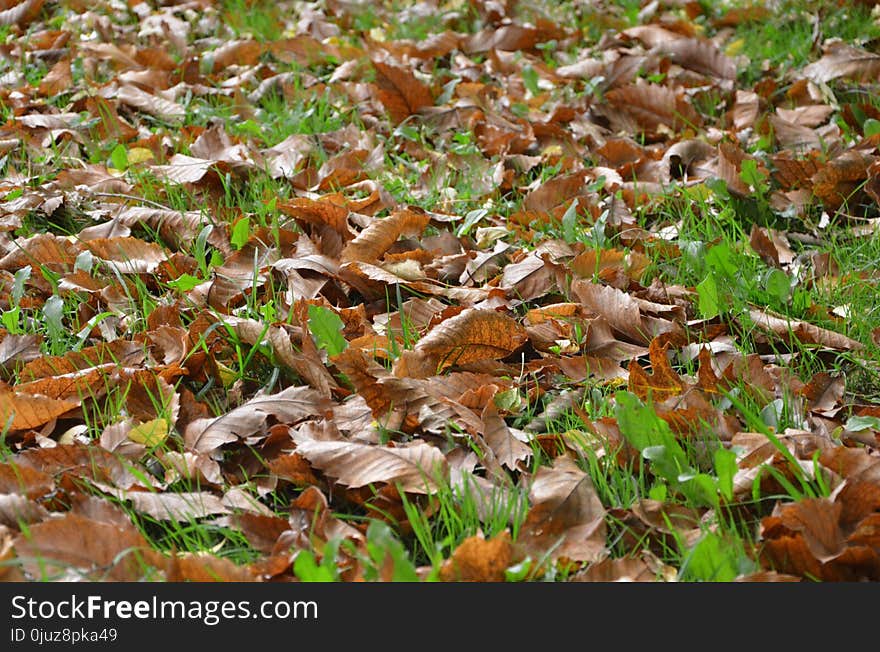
(23, 411)
(376, 239)
(400, 92)
(662, 383)
(479, 560)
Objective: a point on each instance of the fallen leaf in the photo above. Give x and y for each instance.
(477, 559)
(567, 519)
(412, 466)
(469, 336)
(92, 549)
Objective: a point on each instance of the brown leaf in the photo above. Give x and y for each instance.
(21, 13)
(76, 459)
(128, 255)
(619, 308)
(19, 349)
(400, 92)
(119, 353)
(802, 331)
(181, 506)
(41, 249)
(413, 466)
(57, 80)
(17, 511)
(243, 52)
(261, 531)
(294, 468)
(249, 420)
(312, 524)
(699, 55)
(153, 104)
(824, 391)
(508, 449)
(771, 246)
(318, 213)
(554, 192)
(843, 60)
(836, 182)
(203, 567)
(567, 519)
(376, 239)
(97, 550)
(19, 411)
(470, 336)
(623, 569)
(477, 559)
(25, 480)
(653, 107)
(183, 169)
(663, 381)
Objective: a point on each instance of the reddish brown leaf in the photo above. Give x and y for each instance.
(400, 92)
(57, 80)
(21, 13)
(698, 55)
(24, 480)
(19, 411)
(469, 336)
(202, 567)
(653, 107)
(506, 446)
(663, 381)
(377, 238)
(842, 60)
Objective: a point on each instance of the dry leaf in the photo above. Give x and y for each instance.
(470, 336)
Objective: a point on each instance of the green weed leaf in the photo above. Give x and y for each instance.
(327, 327)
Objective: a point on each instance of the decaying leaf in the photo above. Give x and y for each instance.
(414, 467)
(78, 546)
(567, 519)
(470, 336)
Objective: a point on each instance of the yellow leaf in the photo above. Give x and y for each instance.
(734, 47)
(150, 433)
(139, 155)
(227, 375)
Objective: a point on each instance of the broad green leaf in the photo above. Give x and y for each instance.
(241, 231)
(530, 79)
(569, 222)
(184, 283)
(857, 424)
(708, 299)
(720, 259)
(471, 218)
(307, 570)
(711, 560)
(778, 284)
(725, 469)
(752, 176)
(871, 127)
(651, 435)
(382, 545)
(327, 327)
(119, 158)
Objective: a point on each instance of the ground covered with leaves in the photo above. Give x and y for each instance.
(488, 291)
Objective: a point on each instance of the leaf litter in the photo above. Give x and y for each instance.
(455, 264)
